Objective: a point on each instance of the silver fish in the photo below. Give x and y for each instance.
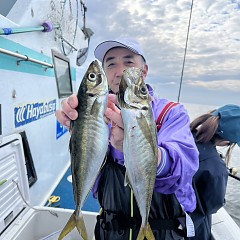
(140, 142)
(88, 143)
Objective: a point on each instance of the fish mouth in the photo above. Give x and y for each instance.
(133, 91)
(131, 77)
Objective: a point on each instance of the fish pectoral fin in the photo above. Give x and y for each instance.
(96, 108)
(145, 232)
(73, 222)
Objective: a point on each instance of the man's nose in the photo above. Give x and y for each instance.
(120, 70)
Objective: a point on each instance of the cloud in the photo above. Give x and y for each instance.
(212, 56)
(231, 85)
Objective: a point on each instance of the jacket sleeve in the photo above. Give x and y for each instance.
(176, 139)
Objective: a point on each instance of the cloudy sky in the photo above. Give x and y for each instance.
(212, 67)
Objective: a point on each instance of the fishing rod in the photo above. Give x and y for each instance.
(185, 52)
(234, 176)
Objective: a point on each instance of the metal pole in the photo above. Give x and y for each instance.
(25, 58)
(46, 27)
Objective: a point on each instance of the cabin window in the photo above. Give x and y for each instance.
(62, 74)
(6, 6)
(31, 173)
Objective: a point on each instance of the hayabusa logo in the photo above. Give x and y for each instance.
(19, 116)
(32, 112)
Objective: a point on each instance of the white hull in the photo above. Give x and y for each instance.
(26, 84)
(224, 227)
(42, 225)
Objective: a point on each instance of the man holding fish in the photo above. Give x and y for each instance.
(164, 181)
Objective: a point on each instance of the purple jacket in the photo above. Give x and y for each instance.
(179, 154)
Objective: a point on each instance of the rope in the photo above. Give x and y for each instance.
(189, 23)
(75, 29)
(39, 210)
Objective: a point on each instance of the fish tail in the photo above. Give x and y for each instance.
(145, 232)
(81, 227)
(74, 221)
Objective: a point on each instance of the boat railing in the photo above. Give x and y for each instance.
(25, 58)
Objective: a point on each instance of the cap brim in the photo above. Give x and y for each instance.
(101, 50)
(104, 47)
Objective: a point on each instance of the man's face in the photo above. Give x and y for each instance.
(116, 61)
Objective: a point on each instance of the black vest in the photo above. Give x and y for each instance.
(115, 221)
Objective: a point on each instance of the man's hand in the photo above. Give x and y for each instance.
(68, 111)
(114, 116)
(112, 113)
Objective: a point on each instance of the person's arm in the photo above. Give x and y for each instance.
(179, 156)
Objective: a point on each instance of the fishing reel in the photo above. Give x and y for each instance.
(233, 170)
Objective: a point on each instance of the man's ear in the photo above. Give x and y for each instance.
(145, 71)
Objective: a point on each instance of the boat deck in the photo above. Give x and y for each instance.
(64, 190)
(223, 226)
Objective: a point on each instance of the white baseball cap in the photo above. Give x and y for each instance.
(104, 47)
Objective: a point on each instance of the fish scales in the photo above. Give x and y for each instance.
(139, 154)
(88, 142)
(140, 143)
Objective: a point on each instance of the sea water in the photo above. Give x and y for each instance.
(233, 187)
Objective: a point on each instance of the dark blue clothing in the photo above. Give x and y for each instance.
(210, 183)
(119, 213)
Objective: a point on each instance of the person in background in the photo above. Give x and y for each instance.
(218, 128)
(173, 195)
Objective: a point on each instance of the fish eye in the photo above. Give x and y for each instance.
(92, 76)
(143, 90)
(144, 108)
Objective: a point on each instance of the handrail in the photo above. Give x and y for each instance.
(25, 58)
(45, 27)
